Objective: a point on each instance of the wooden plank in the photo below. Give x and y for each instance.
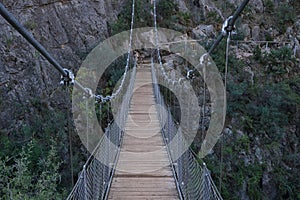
(144, 198)
(162, 173)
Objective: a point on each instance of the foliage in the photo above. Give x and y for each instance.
(269, 6)
(295, 4)
(269, 107)
(30, 25)
(286, 182)
(166, 8)
(18, 180)
(264, 112)
(213, 18)
(42, 125)
(142, 16)
(167, 15)
(277, 62)
(285, 15)
(280, 60)
(257, 54)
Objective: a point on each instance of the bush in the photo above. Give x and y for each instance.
(285, 16)
(142, 17)
(280, 61)
(167, 15)
(166, 8)
(19, 181)
(269, 6)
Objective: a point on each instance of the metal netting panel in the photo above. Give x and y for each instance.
(95, 178)
(193, 180)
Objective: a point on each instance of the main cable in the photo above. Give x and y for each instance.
(230, 25)
(67, 75)
(15, 24)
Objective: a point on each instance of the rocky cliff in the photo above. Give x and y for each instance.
(260, 148)
(259, 153)
(68, 30)
(33, 104)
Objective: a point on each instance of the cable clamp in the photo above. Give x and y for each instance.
(98, 98)
(89, 92)
(204, 59)
(180, 80)
(106, 99)
(190, 74)
(68, 79)
(102, 99)
(226, 28)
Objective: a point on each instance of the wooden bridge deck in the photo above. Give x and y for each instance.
(143, 170)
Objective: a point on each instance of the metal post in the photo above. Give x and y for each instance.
(85, 183)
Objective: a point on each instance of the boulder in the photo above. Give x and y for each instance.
(255, 33)
(257, 5)
(246, 30)
(205, 31)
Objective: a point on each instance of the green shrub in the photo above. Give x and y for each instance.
(269, 6)
(278, 62)
(30, 25)
(142, 17)
(166, 8)
(285, 16)
(257, 55)
(19, 180)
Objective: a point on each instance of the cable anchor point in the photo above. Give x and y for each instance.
(68, 79)
(89, 92)
(227, 27)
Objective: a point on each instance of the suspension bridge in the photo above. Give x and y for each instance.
(136, 157)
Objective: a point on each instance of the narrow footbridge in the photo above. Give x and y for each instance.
(143, 153)
(138, 161)
(143, 169)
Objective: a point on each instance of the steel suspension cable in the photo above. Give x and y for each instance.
(69, 134)
(96, 177)
(64, 72)
(128, 53)
(156, 32)
(158, 49)
(230, 25)
(25, 33)
(203, 103)
(225, 107)
(193, 181)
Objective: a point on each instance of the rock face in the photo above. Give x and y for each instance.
(256, 33)
(204, 31)
(68, 30)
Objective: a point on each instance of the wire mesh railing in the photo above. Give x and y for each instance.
(95, 178)
(193, 180)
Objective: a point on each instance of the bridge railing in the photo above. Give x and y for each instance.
(95, 178)
(193, 180)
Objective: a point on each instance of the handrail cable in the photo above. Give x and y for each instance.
(128, 56)
(96, 177)
(193, 181)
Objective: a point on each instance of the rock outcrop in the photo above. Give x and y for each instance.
(68, 30)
